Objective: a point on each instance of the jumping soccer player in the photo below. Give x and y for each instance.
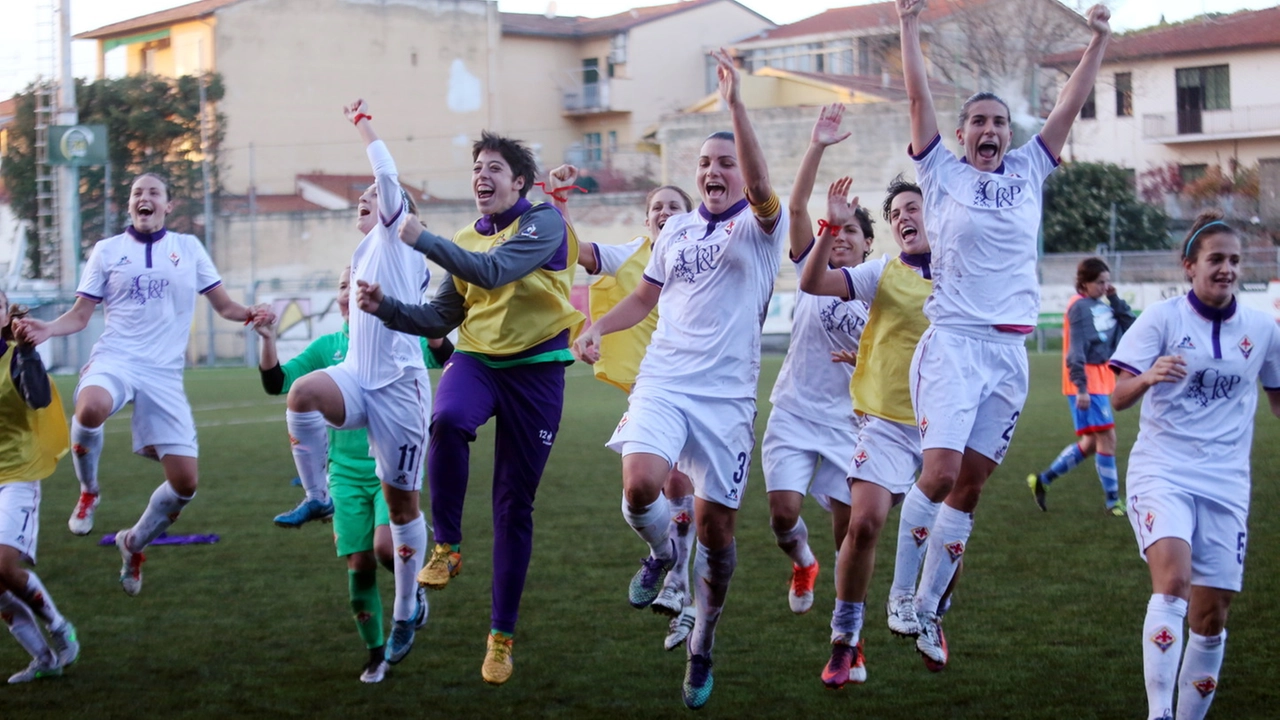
(711, 276)
(33, 437)
(147, 279)
(1194, 361)
(1090, 332)
(969, 373)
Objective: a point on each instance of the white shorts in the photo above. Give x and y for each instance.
(162, 422)
(888, 454)
(968, 389)
(800, 455)
(711, 438)
(396, 417)
(1216, 533)
(20, 517)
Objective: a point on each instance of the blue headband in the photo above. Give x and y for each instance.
(1186, 252)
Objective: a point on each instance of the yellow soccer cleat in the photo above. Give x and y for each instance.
(497, 667)
(443, 564)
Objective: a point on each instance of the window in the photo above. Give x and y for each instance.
(618, 49)
(1192, 173)
(1211, 86)
(593, 149)
(591, 82)
(1089, 110)
(613, 141)
(1124, 94)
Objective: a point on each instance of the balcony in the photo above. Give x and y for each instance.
(1191, 126)
(587, 98)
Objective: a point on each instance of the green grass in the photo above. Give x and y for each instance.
(1046, 624)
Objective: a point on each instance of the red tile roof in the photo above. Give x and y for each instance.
(9, 107)
(1239, 31)
(579, 27)
(874, 15)
(182, 13)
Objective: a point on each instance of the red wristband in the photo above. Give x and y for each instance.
(360, 116)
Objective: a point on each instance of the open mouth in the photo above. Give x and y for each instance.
(909, 232)
(145, 211)
(714, 189)
(364, 211)
(987, 150)
(484, 193)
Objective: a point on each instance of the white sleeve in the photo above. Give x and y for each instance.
(1040, 161)
(93, 283)
(1143, 343)
(390, 204)
(864, 279)
(1269, 374)
(207, 277)
(655, 272)
(610, 258)
(932, 162)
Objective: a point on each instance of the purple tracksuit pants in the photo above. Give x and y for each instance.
(527, 401)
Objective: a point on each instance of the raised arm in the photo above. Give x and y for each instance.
(755, 173)
(826, 132)
(390, 204)
(819, 278)
(924, 123)
(1080, 84)
(559, 181)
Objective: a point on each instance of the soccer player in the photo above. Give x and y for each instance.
(1194, 361)
(361, 530)
(620, 268)
(812, 428)
(33, 437)
(147, 279)
(711, 276)
(1090, 333)
(381, 385)
(507, 291)
(887, 455)
(969, 372)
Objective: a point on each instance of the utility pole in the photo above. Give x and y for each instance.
(68, 175)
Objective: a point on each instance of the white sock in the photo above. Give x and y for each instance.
(1198, 680)
(918, 515)
(651, 524)
(23, 627)
(86, 449)
(846, 622)
(795, 543)
(309, 436)
(411, 535)
(38, 599)
(1161, 650)
(682, 532)
(947, 541)
(162, 510)
(712, 571)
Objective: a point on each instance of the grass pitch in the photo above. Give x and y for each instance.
(1047, 620)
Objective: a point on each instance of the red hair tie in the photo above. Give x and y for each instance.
(560, 194)
(824, 227)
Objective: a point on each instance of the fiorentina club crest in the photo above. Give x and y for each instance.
(173, 258)
(860, 458)
(683, 518)
(405, 552)
(1149, 520)
(924, 426)
(1205, 686)
(1246, 347)
(79, 450)
(955, 550)
(1163, 639)
(728, 229)
(921, 534)
(623, 422)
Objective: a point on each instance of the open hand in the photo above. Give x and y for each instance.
(826, 131)
(727, 73)
(1169, 368)
(410, 229)
(368, 296)
(844, 356)
(840, 209)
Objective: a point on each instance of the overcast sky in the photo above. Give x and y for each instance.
(18, 32)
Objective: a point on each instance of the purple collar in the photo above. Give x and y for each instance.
(146, 237)
(714, 219)
(1211, 313)
(997, 171)
(918, 260)
(492, 224)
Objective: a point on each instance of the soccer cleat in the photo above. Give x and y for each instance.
(800, 593)
(836, 672)
(1037, 491)
(35, 671)
(65, 644)
(931, 643)
(309, 509)
(858, 671)
(670, 601)
(902, 616)
(81, 521)
(376, 669)
(420, 615)
(1117, 510)
(497, 667)
(696, 690)
(400, 641)
(131, 566)
(679, 628)
(647, 581)
(443, 564)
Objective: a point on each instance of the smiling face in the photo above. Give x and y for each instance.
(906, 217)
(367, 210)
(719, 176)
(664, 203)
(148, 204)
(985, 134)
(850, 246)
(344, 293)
(495, 186)
(1215, 268)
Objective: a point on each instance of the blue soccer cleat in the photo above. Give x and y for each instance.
(697, 681)
(309, 509)
(400, 642)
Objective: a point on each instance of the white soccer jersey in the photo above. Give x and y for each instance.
(611, 258)
(716, 275)
(809, 384)
(147, 286)
(982, 230)
(379, 355)
(1196, 433)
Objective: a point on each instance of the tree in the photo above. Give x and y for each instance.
(1077, 210)
(153, 125)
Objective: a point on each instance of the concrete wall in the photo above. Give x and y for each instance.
(535, 72)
